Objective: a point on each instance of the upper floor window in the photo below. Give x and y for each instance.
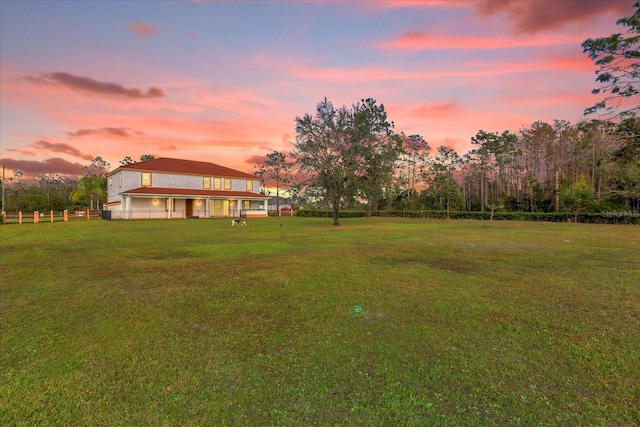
(227, 184)
(146, 179)
(120, 180)
(110, 181)
(206, 183)
(249, 185)
(217, 183)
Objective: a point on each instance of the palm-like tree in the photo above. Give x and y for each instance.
(89, 187)
(492, 207)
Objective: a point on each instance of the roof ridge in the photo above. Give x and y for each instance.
(186, 166)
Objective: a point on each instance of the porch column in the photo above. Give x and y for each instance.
(169, 207)
(127, 207)
(266, 207)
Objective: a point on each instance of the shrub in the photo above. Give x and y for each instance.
(586, 217)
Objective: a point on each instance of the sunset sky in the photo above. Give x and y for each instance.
(223, 81)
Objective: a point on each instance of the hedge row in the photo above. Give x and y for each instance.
(592, 218)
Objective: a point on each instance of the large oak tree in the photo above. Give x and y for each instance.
(346, 152)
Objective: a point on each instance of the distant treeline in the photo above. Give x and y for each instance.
(590, 167)
(590, 218)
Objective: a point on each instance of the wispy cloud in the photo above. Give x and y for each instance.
(306, 69)
(143, 29)
(578, 100)
(377, 74)
(58, 147)
(440, 110)
(419, 40)
(106, 131)
(403, 4)
(90, 86)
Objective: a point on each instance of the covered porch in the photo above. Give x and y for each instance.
(150, 203)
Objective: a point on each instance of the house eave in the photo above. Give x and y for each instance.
(191, 193)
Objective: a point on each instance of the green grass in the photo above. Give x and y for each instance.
(198, 323)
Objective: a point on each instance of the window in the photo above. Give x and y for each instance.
(110, 182)
(206, 183)
(246, 205)
(249, 185)
(146, 179)
(227, 184)
(120, 180)
(217, 184)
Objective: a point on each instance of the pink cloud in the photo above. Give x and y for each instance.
(567, 62)
(256, 158)
(579, 100)
(403, 4)
(22, 150)
(377, 74)
(143, 29)
(471, 69)
(418, 40)
(536, 16)
(448, 109)
(456, 120)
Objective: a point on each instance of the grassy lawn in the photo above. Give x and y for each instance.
(294, 322)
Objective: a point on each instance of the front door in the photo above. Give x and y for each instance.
(188, 207)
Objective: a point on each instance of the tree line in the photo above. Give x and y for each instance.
(346, 158)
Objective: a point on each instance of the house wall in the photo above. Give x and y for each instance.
(130, 180)
(146, 208)
(172, 180)
(125, 180)
(133, 179)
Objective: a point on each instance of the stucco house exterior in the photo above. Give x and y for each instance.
(176, 188)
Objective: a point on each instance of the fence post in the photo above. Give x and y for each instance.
(51, 215)
(19, 217)
(88, 213)
(65, 215)
(4, 217)
(36, 217)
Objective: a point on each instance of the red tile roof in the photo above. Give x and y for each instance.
(159, 191)
(165, 164)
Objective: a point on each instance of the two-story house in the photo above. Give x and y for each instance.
(175, 188)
